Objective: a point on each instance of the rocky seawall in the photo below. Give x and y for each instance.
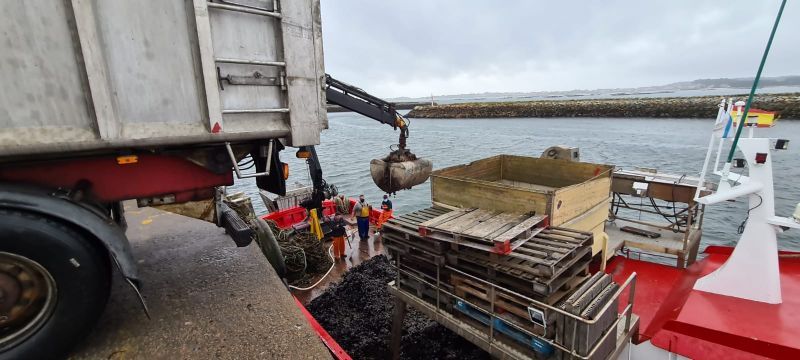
(787, 105)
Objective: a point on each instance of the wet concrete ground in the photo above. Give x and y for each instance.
(207, 299)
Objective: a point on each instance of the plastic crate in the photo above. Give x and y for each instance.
(286, 218)
(293, 215)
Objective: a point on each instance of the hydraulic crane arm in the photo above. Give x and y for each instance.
(399, 170)
(357, 100)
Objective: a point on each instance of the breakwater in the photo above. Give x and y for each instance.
(787, 105)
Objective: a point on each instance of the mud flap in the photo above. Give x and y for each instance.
(274, 182)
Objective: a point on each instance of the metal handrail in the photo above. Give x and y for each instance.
(249, 62)
(631, 280)
(626, 313)
(238, 171)
(245, 9)
(255, 111)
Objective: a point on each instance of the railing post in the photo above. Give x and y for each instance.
(631, 292)
(438, 288)
(397, 327)
(491, 313)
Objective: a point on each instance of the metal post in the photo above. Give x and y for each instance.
(397, 326)
(753, 89)
(491, 314)
(631, 293)
(438, 287)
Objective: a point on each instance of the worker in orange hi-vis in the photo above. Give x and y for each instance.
(337, 235)
(386, 206)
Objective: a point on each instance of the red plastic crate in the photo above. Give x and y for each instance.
(293, 215)
(288, 217)
(328, 208)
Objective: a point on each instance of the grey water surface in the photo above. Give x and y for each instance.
(670, 145)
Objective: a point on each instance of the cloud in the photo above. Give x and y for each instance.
(418, 48)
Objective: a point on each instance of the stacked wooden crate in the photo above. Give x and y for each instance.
(520, 254)
(499, 238)
(574, 195)
(526, 256)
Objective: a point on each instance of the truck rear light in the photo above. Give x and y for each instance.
(761, 158)
(127, 159)
(285, 171)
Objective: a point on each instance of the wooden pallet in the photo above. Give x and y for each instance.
(403, 231)
(507, 306)
(538, 267)
(548, 254)
(500, 233)
(516, 279)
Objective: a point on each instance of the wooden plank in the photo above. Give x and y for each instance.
(521, 227)
(562, 232)
(531, 252)
(445, 217)
(459, 224)
(433, 212)
(522, 240)
(533, 244)
(566, 247)
(545, 235)
(477, 222)
(573, 201)
(491, 225)
(550, 172)
(441, 210)
(469, 193)
(406, 225)
(416, 218)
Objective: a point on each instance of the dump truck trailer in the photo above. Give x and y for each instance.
(156, 101)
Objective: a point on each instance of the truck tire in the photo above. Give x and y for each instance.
(54, 284)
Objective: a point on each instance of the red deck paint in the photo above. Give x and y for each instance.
(326, 338)
(698, 324)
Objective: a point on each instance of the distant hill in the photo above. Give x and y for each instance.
(738, 83)
(700, 87)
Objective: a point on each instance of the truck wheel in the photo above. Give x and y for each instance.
(54, 285)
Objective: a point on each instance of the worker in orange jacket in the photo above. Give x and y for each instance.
(386, 206)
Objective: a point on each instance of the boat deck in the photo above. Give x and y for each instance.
(356, 252)
(668, 242)
(698, 324)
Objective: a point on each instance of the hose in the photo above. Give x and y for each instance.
(333, 263)
(283, 235)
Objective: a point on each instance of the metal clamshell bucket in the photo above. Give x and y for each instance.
(393, 176)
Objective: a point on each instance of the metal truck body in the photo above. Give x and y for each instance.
(154, 100)
(89, 75)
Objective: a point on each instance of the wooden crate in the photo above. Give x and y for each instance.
(562, 190)
(593, 221)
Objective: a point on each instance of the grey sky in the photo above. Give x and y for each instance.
(419, 47)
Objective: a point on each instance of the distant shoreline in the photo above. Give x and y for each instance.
(787, 105)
